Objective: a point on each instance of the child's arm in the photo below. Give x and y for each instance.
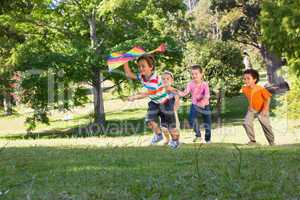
(267, 96)
(178, 92)
(185, 92)
(265, 110)
(141, 95)
(129, 72)
(172, 89)
(177, 103)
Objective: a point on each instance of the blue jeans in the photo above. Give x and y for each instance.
(195, 111)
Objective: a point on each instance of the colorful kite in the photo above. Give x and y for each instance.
(117, 59)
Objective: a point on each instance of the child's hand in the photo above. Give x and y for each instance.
(264, 112)
(169, 88)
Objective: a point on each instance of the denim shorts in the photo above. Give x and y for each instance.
(163, 111)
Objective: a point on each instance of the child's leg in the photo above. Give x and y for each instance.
(177, 121)
(152, 115)
(174, 134)
(166, 135)
(206, 114)
(248, 125)
(193, 120)
(165, 130)
(169, 121)
(174, 130)
(154, 127)
(267, 128)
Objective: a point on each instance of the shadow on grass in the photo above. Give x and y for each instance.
(150, 172)
(111, 113)
(112, 128)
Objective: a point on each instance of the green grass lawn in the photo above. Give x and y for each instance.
(216, 171)
(127, 168)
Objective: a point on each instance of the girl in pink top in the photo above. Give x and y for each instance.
(200, 103)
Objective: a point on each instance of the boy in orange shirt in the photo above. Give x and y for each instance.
(259, 103)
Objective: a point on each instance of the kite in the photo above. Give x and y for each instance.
(115, 60)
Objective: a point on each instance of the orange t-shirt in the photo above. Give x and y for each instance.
(257, 96)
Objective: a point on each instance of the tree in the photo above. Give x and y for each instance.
(280, 22)
(75, 37)
(239, 21)
(9, 39)
(206, 22)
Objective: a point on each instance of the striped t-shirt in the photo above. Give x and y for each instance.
(154, 86)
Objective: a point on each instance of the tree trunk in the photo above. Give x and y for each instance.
(219, 106)
(7, 103)
(276, 84)
(99, 114)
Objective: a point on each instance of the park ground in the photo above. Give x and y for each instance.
(63, 161)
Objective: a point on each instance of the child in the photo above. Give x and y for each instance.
(259, 102)
(168, 80)
(160, 105)
(200, 103)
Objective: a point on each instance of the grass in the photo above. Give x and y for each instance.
(217, 171)
(127, 168)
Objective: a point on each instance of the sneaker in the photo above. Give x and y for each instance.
(156, 138)
(197, 139)
(173, 144)
(208, 142)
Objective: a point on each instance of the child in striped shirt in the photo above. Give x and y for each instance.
(159, 105)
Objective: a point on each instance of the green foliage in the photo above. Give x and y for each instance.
(280, 22)
(220, 5)
(238, 20)
(203, 19)
(289, 104)
(293, 98)
(58, 41)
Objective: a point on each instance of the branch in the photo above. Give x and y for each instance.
(254, 44)
(108, 88)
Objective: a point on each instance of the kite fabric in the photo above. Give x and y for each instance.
(115, 60)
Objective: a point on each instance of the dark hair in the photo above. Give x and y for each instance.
(149, 59)
(254, 73)
(197, 67)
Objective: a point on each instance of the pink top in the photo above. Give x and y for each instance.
(200, 93)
